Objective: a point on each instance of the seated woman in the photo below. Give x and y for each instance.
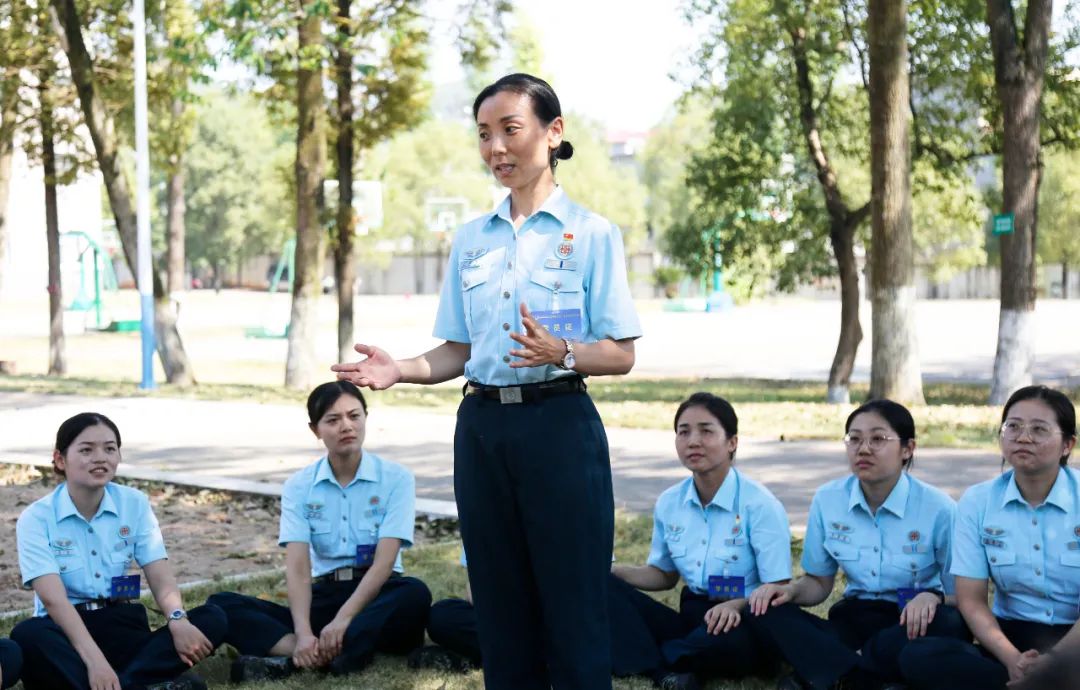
(344, 520)
(889, 532)
(724, 535)
(76, 548)
(1021, 531)
(10, 663)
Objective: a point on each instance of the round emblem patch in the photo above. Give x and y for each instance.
(565, 250)
(374, 500)
(913, 535)
(125, 532)
(1076, 530)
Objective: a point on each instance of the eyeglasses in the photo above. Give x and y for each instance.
(876, 442)
(1037, 431)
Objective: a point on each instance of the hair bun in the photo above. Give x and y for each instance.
(565, 151)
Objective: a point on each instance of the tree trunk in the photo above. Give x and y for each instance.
(310, 169)
(894, 369)
(1018, 78)
(57, 360)
(842, 221)
(1064, 280)
(842, 237)
(99, 122)
(344, 246)
(9, 98)
(175, 229)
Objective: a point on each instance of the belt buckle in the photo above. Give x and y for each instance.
(343, 574)
(510, 395)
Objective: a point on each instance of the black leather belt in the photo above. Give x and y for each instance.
(95, 604)
(529, 392)
(346, 574)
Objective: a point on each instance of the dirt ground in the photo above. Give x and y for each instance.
(207, 533)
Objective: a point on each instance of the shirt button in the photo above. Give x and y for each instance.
(90, 530)
(344, 519)
(506, 294)
(97, 574)
(1049, 614)
(509, 264)
(1037, 547)
(464, 283)
(1038, 572)
(1034, 521)
(703, 541)
(506, 326)
(93, 553)
(343, 540)
(875, 549)
(874, 573)
(699, 562)
(993, 559)
(506, 358)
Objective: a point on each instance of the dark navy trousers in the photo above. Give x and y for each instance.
(678, 641)
(139, 656)
(392, 622)
(821, 652)
(452, 624)
(949, 664)
(533, 488)
(10, 663)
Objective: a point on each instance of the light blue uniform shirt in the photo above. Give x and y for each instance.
(1031, 554)
(698, 541)
(905, 545)
(562, 257)
(54, 538)
(379, 503)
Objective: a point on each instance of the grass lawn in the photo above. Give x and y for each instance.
(955, 415)
(437, 565)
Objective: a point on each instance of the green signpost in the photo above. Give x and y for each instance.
(1004, 223)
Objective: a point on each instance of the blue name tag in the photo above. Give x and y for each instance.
(722, 588)
(365, 555)
(125, 587)
(906, 594)
(563, 323)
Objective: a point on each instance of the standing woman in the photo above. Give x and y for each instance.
(344, 521)
(535, 298)
(890, 534)
(76, 546)
(1021, 531)
(723, 535)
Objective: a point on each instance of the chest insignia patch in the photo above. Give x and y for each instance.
(475, 253)
(565, 250)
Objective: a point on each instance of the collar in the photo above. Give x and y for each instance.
(367, 472)
(1060, 494)
(65, 507)
(557, 205)
(895, 502)
(725, 495)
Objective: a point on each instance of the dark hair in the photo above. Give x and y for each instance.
(1056, 401)
(545, 105)
(326, 394)
(71, 428)
(717, 407)
(896, 416)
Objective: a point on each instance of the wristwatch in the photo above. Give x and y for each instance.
(178, 614)
(569, 360)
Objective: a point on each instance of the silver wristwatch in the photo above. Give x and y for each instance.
(569, 360)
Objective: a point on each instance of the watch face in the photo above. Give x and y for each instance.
(569, 361)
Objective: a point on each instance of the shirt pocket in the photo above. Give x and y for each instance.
(322, 537)
(845, 554)
(71, 572)
(1069, 582)
(732, 561)
(1004, 570)
(914, 568)
(551, 290)
(122, 557)
(476, 299)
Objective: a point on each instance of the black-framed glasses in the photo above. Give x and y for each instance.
(874, 441)
(1039, 432)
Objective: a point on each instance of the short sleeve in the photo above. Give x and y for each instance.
(450, 318)
(400, 519)
(943, 533)
(659, 556)
(35, 556)
(770, 538)
(816, 560)
(968, 556)
(611, 307)
(149, 544)
(293, 524)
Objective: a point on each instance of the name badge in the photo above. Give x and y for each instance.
(987, 541)
(125, 587)
(563, 323)
(722, 587)
(905, 595)
(840, 537)
(735, 541)
(365, 555)
(913, 548)
(561, 265)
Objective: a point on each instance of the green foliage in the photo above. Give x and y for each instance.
(238, 171)
(1059, 210)
(593, 181)
(667, 154)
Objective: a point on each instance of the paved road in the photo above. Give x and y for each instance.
(250, 441)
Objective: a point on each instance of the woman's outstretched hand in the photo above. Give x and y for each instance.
(377, 372)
